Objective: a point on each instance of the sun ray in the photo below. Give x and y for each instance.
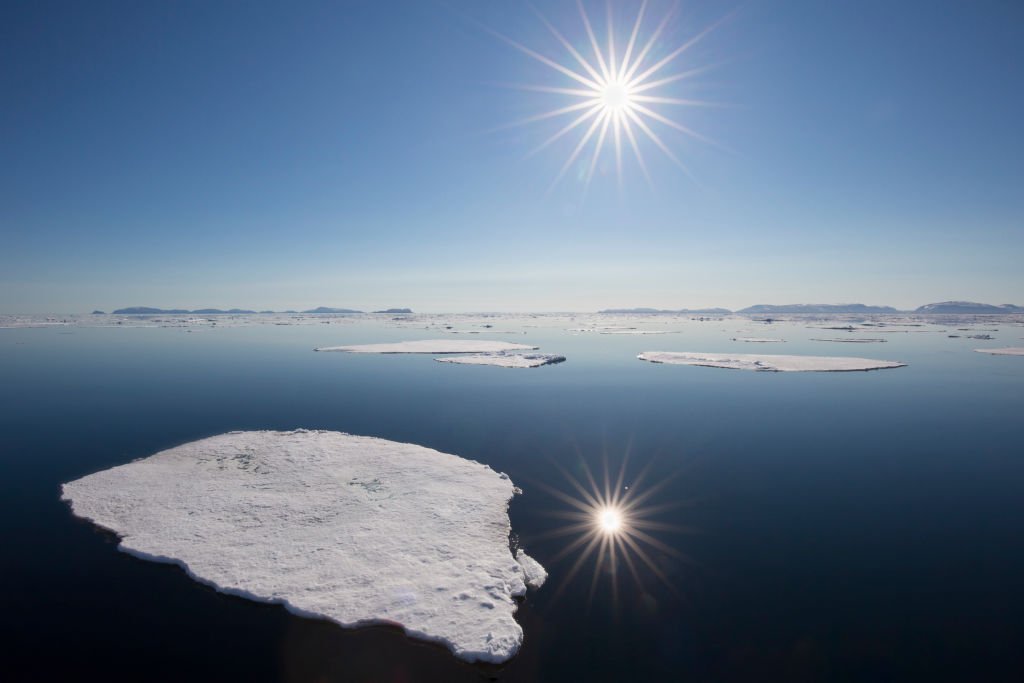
(576, 92)
(632, 37)
(636, 150)
(682, 75)
(579, 121)
(544, 60)
(568, 46)
(546, 115)
(652, 99)
(597, 151)
(593, 42)
(675, 53)
(618, 159)
(628, 76)
(657, 141)
(673, 124)
(610, 25)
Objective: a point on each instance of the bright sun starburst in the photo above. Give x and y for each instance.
(614, 524)
(614, 93)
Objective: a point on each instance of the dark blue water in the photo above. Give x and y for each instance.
(848, 527)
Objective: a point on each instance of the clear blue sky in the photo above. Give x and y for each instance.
(283, 155)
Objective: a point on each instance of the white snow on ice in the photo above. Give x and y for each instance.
(769, 363)
(535, 574)
(355, 529)
(759, 340)
(506, 360)
(438, 346)
(1010, 351)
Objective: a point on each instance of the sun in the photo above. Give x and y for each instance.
(614, 94)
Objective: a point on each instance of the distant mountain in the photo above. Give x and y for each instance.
(325, 309)
(217, 311)
(657, 311)
(146, 310)
(395, 310)
(98, 312)
(766, 309)
(968, 307)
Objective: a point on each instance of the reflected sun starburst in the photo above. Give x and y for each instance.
(614, 524)
(614, 94)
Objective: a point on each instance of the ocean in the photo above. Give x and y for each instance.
(862, 526)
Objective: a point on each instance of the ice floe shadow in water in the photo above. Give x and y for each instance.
(357, 530)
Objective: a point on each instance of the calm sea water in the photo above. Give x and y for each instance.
(849, 527)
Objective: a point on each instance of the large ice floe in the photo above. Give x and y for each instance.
(1010, 351)
(355, 529)
(435, 346)
(505, 360)
(768, 363)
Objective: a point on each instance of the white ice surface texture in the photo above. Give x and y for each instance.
(506, 360)
(768, 363)
(438, 346)
(355, 529)
(536, 575)
(1010, 351)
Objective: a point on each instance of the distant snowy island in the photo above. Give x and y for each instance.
(355, 529)
(943, 307)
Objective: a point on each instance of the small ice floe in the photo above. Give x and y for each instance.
(506, 360)
(535, 574)
(768, 363)
(353, 529)
(435, 346)
(1010, 351)
(758, 340)
(854, 340)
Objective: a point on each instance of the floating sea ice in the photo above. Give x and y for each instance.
(433, 346)
(768, 363)
(506, 360)
(536, 575)
(354, 529)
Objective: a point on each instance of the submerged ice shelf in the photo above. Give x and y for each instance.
(768, 363)
(435, 346)
(356, 529)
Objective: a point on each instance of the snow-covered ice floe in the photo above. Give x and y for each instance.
(1010, 351)
(535, 574)
(506, 360)
(437, 346)
(769, 363)
(355, 529)
(759, 340)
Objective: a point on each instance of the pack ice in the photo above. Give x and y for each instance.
(356, 529)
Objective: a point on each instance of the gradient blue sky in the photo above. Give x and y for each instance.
(287, 155)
